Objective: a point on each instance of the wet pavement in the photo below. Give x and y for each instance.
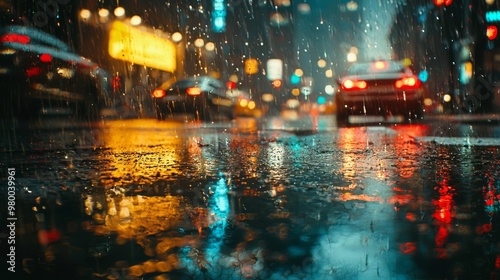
(280, 199)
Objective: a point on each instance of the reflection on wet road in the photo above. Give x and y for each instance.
(126, 199)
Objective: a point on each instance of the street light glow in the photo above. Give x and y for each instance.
(135, 20)
(352, 57)
(329, 89)
(352, 6)
(267, 97)
(277, 20)
(199, 43)
(304, 8)
(103, 13)
(119, 12)
(210, 46)
(85, 14)
(321, 63)
(285, 3)
(177, 37)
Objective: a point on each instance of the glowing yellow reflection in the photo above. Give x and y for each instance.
(351, 141)
(139, 152)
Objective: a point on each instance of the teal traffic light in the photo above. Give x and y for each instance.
(492, 16)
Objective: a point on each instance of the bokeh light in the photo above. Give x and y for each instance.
(329, 89)
(177, 37)
(103, 13)
(304, 8)
(199, 43)
(135, 20)
(210, 46)
(85, 14)
(321, 63)
(119, 12)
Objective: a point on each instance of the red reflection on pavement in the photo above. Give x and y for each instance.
(406, 149)
(408, 247)
(46, 237)
(441, 253)
(411, 217)
(484, 229)
(444, 212)
(491, 195)
(400, 199)
(441, 236)
(33, 71)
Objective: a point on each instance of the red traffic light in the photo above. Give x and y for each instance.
(491, 32)
(230, 85)
(443, 2)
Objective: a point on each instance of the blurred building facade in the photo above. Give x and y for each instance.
(447, 40)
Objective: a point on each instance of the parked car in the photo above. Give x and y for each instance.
(381, 88)
(39, 74)
(202, 97)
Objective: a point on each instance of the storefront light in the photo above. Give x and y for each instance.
(134, 45)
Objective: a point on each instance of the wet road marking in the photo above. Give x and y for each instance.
(468, 141)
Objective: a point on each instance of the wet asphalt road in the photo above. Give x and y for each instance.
(253, 199)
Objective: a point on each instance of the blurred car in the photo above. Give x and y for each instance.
(385, 89)
(39, 74)
(203, 97)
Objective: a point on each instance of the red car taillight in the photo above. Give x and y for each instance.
(15, 38)
(158, 93)
(193, 91)
(354, 85)
(408, 83)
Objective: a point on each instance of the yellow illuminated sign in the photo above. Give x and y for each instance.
(144, 48)
(251, 66)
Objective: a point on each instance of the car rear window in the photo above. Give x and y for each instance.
(377, 67)
(184, 84)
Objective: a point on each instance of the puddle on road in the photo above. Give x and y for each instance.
(218, 203)
(461, 141)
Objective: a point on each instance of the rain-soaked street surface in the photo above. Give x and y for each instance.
(148, 199)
